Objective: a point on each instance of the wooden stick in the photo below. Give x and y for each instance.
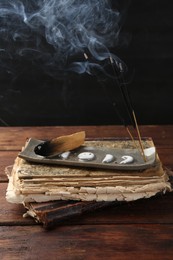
(139, 136)
(131, 136)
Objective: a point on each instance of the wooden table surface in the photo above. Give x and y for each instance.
(137, 230)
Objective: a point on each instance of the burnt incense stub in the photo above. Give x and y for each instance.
(43, 149)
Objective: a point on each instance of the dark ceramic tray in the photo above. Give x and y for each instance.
(96, 162)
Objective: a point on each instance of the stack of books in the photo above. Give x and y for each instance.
(52, 191)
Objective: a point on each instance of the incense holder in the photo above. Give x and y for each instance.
(95, 157)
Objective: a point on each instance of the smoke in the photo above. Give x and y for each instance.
(58, 36)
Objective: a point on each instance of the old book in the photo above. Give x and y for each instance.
(55, 212)
(37, 182)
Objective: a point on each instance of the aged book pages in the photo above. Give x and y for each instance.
(31, 182)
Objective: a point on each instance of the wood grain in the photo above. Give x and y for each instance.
(11, 214)
(15, 137)
(6, 159)
(88, 242)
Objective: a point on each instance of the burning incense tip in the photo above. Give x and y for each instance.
(60, 144)
(86, 56)
(121, 67)
(111, 60)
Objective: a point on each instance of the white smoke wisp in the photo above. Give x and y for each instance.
(57, 33)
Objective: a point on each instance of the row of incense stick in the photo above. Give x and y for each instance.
(127, 102)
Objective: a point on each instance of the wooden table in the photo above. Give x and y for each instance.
(137, 230)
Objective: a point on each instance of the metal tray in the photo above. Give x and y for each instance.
(97, 162)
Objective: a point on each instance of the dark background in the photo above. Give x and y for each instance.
(31, 97)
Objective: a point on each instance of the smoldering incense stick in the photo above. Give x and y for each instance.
(127, 128)
(126, 103)
(86, 56)
(139, 136)
(128, 100)
(120, 117)
(123, 122)
(3, 122)
(129, 108)
(117, 111)
(129, 105)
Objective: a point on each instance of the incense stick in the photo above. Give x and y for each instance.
(129, 104)
(129, 107)
(117, 110)
(85, 55)
(126, 104)
(129, 110)
(139, 136)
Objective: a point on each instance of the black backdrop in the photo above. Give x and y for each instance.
(34, 98)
